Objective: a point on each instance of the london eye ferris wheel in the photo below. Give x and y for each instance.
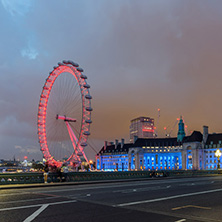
(64, 115)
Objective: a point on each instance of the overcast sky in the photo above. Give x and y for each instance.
(138, 55)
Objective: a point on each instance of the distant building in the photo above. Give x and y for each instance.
(141, 127)
(194, 152)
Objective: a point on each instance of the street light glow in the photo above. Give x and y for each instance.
(218, 153)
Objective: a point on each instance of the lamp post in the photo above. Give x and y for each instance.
(90, 165)
(218, 154)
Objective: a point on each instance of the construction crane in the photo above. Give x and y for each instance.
(186, 130)
(157, 123)
(165, 128)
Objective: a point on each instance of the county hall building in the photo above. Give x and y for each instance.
(194, 152)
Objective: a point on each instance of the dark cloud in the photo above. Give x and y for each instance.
(138, 55)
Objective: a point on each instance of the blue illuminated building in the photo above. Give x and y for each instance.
(194, 152)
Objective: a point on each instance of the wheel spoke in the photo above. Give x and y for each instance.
(65, 97)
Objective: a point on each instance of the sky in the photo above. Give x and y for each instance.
(139, 56)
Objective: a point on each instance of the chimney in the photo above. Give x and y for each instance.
(105, 145)
(205, 134)
(122, 143)
(116, 144)
(135, 138)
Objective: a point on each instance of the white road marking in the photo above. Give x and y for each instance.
(181, 220)
(166, 198)
(88, 195)
(36, 213)
(99, 186)
(196, 183)
(36, 199)
(168, 186)
(140, 189)
(37, 205)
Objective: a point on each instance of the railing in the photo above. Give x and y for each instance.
(30, 178)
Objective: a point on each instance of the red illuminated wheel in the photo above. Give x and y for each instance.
(64, 115)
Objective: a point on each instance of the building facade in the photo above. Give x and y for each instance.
(194, 152)
(141, 127)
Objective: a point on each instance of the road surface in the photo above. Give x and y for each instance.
(157, 200)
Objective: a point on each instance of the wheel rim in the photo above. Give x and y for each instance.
(51, 138)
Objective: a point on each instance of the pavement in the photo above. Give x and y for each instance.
(193, 199)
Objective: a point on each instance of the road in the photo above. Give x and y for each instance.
(158, 200)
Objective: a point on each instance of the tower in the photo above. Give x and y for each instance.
(142, 127)
(181, 132)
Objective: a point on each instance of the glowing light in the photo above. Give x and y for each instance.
(86, 106)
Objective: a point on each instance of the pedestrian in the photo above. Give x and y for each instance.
(59, 173)
(64, 171)
(46, 172)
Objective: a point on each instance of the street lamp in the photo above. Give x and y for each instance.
(90, 164)
(218, 154)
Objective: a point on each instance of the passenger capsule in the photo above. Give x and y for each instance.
(75, 64)
(65, 62)
(60, 64)
(72, 63)
(87, 133)
(86, 86)
(83, 76)
(79, 69)
(88, 121)
(88, 96)
(89, 109)
(83, 144)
